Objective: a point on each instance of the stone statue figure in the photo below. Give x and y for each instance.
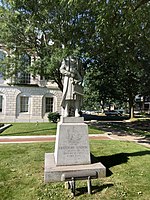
(72, 89)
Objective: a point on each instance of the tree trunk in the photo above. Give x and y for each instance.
(58, 80)
(102, 105)
(131, 107)
(60, 85)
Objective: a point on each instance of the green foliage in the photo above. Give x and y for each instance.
(47, 30)
(110, 37)
(101, 85)
(53, 116)
(120, 50)
(1, 125)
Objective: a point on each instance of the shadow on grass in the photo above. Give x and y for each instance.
(145, 140)
(109, 161)
(88, 117)
(116, 159)
(121, 128)
(95, 189)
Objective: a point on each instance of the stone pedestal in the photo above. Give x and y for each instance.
(53, 173)
(72, 144)
(72, 152)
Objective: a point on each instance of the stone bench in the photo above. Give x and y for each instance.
(71, 177)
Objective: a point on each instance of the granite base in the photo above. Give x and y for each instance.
(53, 173)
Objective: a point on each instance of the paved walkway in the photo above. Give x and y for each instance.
(44, 138)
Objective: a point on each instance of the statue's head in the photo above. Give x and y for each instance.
(71, 62)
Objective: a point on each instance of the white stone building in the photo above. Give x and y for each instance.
(29, 101)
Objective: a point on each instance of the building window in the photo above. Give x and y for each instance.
(48, 104)
(1, 99)
(22, 76)
(24, 104)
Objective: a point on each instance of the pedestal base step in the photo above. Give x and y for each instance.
(53, 173)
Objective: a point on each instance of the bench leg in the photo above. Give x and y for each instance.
(72, 186)
(67, 185)
(89, 185)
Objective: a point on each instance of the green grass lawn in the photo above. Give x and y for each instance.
(137, 127)
(30, 129)
(128, 173)
(27, 129)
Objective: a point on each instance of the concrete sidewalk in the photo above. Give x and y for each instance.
(50, 138)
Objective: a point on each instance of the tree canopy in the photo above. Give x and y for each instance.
(110, 37)
(121, 50)
(47, 30)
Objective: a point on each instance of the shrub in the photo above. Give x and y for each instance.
(1, 125)
(53, 117)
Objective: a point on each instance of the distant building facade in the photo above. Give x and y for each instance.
(30, 99)
(142, 104)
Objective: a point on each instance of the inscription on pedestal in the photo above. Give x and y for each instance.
(73, 152)
(72, 146)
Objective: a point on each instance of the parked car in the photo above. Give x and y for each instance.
(112, 113)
